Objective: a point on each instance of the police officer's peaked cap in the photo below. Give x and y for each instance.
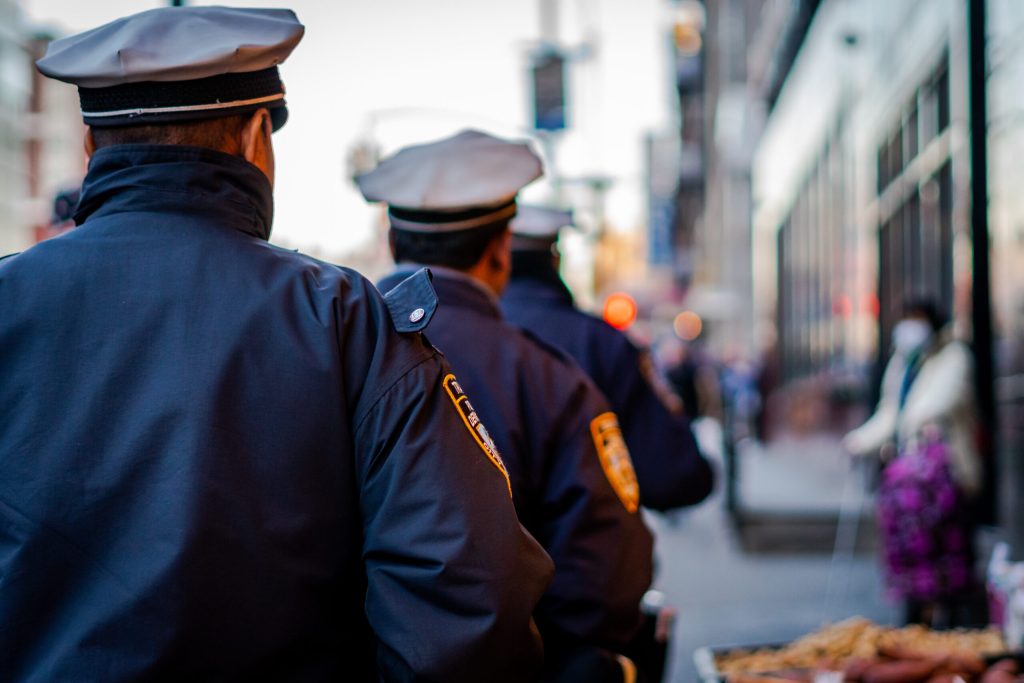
(535, 228)
(178, 64)
(465, 181)
(540, 222)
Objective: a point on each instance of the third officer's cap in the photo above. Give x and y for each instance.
(537, 227)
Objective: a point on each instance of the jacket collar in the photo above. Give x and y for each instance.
(177, 179)
(454, 289)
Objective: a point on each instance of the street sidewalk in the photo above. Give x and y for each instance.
(727, 595)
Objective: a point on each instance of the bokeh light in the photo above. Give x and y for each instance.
(620, 310)
(688, 325)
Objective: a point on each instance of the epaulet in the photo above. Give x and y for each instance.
(412, 302)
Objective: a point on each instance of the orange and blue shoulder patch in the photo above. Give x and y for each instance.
(475, 426)
(615, 460)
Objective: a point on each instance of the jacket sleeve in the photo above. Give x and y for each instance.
(670, 468)
(881, 426)
(452, 577)
(591, 526)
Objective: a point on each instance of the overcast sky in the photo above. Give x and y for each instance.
(407, 71)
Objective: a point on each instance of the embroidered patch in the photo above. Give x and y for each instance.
(475, 426)
(659, 385)
(614, 456)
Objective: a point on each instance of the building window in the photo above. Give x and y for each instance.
(813, 292)
(915, 239)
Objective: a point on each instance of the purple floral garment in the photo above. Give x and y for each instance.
(922, 518)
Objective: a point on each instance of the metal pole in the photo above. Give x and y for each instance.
(548, 11)
(981, 298)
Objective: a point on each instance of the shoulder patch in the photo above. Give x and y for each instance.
(615, 460)
(412, 302)
(659, 385)
(475, 426)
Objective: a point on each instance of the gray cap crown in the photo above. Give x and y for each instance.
(453, 183)
(540, 222)
(174, 44)
(177, 64)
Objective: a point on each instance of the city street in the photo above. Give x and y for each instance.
(727, 595)
(246, 248)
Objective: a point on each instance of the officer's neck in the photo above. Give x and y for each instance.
(492, 277)
(487, 275)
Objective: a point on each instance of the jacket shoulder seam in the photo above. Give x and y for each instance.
(360, 419)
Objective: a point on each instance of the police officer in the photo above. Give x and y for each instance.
(221, 460)
(449, 206)
(669, 466)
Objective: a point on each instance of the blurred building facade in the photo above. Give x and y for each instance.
(723, 81)
(690, 54)
(856, 205)
(862, 193)
(15, 89)
(1006, 224)
(52, 133)
(733, 115)
(41, 152)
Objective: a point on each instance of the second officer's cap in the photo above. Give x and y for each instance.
(178, 64)
(465, 181)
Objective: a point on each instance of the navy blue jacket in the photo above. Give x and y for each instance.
(669, 466)
(219, 460)
(551, 426)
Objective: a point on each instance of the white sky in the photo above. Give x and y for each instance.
(407, 71)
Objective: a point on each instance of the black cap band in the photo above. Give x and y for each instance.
(169, 101)
(420, 220)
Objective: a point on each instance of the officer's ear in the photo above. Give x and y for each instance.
(256, 144)
(499, 252)
(89, 143)
(499, 259)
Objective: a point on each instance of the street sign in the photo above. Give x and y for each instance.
(548, 72)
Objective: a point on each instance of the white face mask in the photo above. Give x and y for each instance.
(911, 335)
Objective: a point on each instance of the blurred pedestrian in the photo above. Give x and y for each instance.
(449, 206)
(62, 217)
(926, 418)
(670, 469)
(741, 399)
(221, 460)
(695, 379)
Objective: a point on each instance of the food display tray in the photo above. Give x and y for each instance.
(704, 659)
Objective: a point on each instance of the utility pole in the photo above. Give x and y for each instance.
(548, 60)
(981, 298)
(549, 21)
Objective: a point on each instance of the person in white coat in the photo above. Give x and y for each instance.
(926, 417)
